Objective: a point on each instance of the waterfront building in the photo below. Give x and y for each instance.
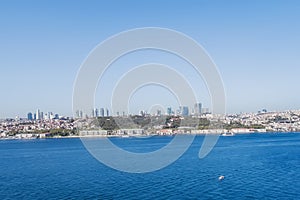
(130, 132)
(92, 132)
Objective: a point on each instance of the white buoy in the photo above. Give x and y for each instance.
(221, 178)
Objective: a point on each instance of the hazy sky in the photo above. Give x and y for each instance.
(255, 44)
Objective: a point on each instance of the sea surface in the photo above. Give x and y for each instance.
(256, 166)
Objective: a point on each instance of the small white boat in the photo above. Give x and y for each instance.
(125, 136)
(228, 134)
(221, 178)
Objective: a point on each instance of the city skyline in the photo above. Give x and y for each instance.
(183, 110)
(255, 47)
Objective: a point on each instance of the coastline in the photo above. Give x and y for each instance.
(149, 135)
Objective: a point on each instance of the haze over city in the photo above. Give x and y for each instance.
(254, 45)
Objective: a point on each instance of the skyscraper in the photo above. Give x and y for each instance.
(197, 108)
(101, 112)
(185, 111)
(38, 114)
(93, 113)
(77, 114)
(169, 111)
(29, 116)
(158, 113)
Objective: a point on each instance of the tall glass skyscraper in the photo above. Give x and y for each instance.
(197, 108)
(29, 116)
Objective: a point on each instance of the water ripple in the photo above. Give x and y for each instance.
(254, 166)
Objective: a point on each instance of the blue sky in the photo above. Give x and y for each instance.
(255, 45)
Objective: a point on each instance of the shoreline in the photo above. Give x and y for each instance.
(147, 136)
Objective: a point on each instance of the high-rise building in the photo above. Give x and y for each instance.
(93, 113)
(46, 116)
(184, 111)
(107, 112)
(38, 114)
(29, 116)
(96, 112)
(169, 111)
(178, 111)
(51, 116)
(101, 112)
(158, 113)
(197, 108)
(77, 114)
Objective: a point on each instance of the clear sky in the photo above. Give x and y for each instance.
(255, 44)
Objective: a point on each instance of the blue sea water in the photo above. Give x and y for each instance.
(256, 166)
